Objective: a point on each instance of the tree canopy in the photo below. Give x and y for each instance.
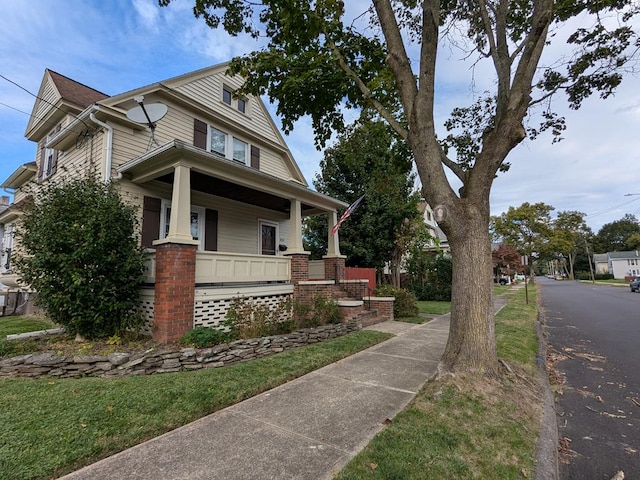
(366, 160)
(323, 56)
(613, 236)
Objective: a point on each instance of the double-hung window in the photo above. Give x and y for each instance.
(218, 141)
(197, 222)
(240, 151)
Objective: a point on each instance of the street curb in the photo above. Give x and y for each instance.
(546, 455)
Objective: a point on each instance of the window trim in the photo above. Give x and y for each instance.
(229, 146)
(164, 225)
(234, 101)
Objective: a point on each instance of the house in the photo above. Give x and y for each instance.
(440, 242)
(220, 196)
(624, 265)
(601, 262)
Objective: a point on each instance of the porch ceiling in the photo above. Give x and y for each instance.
(222, 188)
(225, 178)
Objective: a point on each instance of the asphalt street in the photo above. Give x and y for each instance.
(594, 335)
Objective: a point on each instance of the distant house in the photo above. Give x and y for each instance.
(440, 239)
(601, 262)
(624, 264)
(216, 186)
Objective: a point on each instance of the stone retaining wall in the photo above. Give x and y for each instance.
(163, 360)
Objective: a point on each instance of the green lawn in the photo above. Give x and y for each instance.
(50, 427)
(22, 324)
(465, 426)
(435, 308)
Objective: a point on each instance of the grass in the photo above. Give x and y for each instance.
(56, 426)
(436, 308)
(417, 320)
(466, 426)
(22, 324)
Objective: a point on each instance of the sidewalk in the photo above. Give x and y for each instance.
(306, 429)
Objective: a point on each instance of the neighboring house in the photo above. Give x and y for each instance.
(440, 243)
(218, 191)
(601, 262)
(624, 264)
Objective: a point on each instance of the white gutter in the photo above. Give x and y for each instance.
(109, 146)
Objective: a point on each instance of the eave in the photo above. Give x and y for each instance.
(20, 176)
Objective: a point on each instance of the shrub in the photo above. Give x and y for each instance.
(597, 276)
(202, 337)
(80, 253)
(405, 305)
(248, 319)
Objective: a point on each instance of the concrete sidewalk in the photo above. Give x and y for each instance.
(306, 429)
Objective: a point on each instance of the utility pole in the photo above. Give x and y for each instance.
(586, 246)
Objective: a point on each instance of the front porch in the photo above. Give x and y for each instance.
(252, 248)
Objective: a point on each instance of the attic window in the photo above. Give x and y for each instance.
(242, 105)
(239, 103)
(227, 95)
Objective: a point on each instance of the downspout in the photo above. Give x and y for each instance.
(108, 148)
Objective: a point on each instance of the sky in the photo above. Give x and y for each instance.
(118, 45)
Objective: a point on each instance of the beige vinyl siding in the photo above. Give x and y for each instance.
(208, 91)
(273, 164)
(48, 96)
(237, 222)
(86, 156)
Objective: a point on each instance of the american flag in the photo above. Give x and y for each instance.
(346, 214)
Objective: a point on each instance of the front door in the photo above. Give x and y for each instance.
(267, 238)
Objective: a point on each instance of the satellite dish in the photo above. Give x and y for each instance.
(149, 114)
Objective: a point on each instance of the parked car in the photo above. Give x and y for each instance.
(635, 284)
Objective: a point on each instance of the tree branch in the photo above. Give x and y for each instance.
(453, 166)
(398, 60)
(366, 92)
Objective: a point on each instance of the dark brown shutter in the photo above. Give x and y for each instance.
(255, 157)
(211, 230)
(41, 165)
(150, 221)
(199, 133)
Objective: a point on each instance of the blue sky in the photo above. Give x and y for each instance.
(117, 45)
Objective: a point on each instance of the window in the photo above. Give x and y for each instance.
(242, 105)
(227, 95)
(6, 247)
(238, 103)
(240, 151)
(49, 157)
(197, 222)
(218, 141)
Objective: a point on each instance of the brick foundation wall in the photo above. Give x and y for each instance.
(174, 291)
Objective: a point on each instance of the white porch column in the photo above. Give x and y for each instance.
(295, 225)
(180, 220)
(333, 242)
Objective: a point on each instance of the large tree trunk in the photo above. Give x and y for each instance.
(472, 343)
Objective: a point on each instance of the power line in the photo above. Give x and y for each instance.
(42, 100)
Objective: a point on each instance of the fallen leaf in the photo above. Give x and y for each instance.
(373, 466)
(599, 398)
(52, 383)
(109, 408)
(83, 425)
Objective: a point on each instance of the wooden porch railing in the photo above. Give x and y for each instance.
(224, 267)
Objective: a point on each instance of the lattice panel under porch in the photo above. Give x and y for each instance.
(145, 307)
(210, 313)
